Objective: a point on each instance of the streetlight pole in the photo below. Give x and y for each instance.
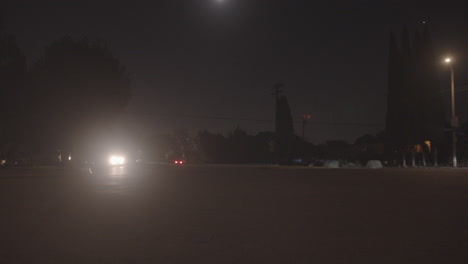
(454, 121)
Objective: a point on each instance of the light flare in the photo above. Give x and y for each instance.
(117, 160)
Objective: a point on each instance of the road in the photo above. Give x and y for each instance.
(233, 214)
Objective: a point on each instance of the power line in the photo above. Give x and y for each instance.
(345, 124)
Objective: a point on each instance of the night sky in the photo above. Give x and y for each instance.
(211, 64)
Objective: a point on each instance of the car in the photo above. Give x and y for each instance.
(179, 162)
(109, 159)
(118, 160)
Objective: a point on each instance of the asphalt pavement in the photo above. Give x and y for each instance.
(233, 214)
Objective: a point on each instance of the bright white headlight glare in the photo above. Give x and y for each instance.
(117, 160)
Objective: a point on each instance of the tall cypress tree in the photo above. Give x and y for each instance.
(409, 95)
(414, 111)
(285, 131)
(394, 95)
(418, 95)
(433, 113)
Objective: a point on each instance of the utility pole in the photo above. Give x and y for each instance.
(276, 93)
(454, 121)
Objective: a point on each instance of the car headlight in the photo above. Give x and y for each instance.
(117, 160)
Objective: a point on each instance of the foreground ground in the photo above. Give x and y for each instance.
(233, 214)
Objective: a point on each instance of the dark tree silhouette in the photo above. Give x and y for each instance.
(214, 147)
(432, 106)
(236, 147)
(12, 77)
(162, 147)
(414, 104)
(239, 146)
(284, 131)
(370, 147)
(265, 147)
(77, 90)
(397, 126)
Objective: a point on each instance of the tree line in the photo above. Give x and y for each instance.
(239, 147)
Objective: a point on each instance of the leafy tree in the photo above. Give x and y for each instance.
(366, 139)
(370, 147)
(265, 147)
(240, 146)
(236, 147)
(78, 88)
(161, 147)
(12, 77)
(213, 147)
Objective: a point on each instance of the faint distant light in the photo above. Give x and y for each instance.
(424, 22)
(69, 157)
(428, 144)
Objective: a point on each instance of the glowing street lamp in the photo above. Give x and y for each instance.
(454, 121)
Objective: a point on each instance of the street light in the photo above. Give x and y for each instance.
(454, 121)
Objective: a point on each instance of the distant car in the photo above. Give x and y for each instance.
(179, 162)
(117, 163)
(112, 159)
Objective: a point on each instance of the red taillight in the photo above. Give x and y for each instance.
(181, 162)
(176, 162)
